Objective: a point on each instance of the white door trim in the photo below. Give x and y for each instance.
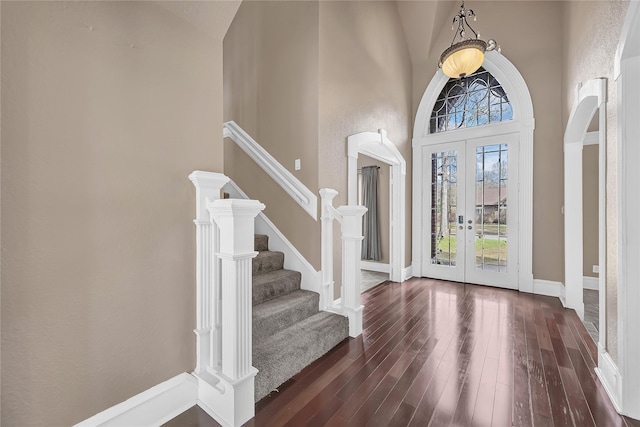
(378, 146)
(523, 122)
(465, 269)
(590, 97)
(626, 390)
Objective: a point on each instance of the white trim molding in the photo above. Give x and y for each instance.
(379, 267)
(378, 146)
(549, 288)
(610, 377)
(591, 283)
(285, 179)
(523, 123)
(406, 273)
(384, 268)
(591, 138)
(152, 407)
(627, 74)
(590, 97)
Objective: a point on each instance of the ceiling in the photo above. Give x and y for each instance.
(210, 17)
(423, 21)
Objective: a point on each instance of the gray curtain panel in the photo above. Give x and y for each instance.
(370, 228)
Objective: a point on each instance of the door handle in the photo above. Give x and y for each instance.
(470, 227)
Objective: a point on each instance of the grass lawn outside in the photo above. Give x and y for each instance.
(492, 248)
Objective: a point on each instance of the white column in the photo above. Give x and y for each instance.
(235, 219)
(326, 241)
(629, 229)
(208, 186)
(573, 246)
(525, 209)
(351, 251)
(352, 189)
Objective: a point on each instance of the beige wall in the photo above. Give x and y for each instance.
(591, 37)
(530, 34)
(108, 106)
(590, 209)
(302, 76)
(365, 85)
(383, 202)
(271, 91)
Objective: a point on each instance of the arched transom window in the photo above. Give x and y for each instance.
(475, 100)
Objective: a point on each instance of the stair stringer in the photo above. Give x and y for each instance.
(293, 259)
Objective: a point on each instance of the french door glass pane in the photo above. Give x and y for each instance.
(491, 207)
(444, 180)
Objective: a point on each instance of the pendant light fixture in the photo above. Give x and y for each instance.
(467, 55)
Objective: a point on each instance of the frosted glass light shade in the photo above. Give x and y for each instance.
(463, 58)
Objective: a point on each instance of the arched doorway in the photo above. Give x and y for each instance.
(519, 131)
(378, 146)
(591, 98)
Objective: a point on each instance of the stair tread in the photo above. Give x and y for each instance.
(267, 261)
(259, 279)
(291, 332)
(289, 351)
(281, 303)
(277, 314)
(273, 284)
(260, 242)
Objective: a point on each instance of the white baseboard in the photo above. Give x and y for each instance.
(380, 267)
(152, 407)
(592, 283)
(406, 274)
(607, 372)
(230, 404)
(548, 288)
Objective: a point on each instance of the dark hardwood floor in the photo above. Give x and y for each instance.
(447, 354)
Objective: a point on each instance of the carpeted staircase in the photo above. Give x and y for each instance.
(288, 330)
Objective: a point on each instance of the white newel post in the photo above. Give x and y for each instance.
(208, 186)
(326, 260)
(351, 251)
(235, 219)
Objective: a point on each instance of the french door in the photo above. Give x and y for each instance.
(470, 229)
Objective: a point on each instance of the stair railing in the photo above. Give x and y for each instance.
(224, 250)
(289, 183)
(350, 219)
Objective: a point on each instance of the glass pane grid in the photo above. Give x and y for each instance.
(475, 100)
(443, 208)
(491, 208)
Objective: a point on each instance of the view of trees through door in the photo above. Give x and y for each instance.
(491, 179)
